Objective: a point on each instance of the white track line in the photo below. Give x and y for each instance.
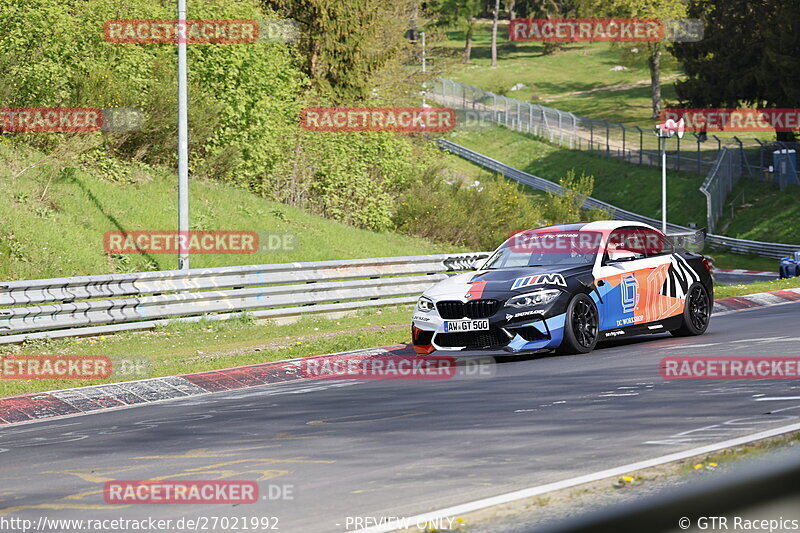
(465, 508)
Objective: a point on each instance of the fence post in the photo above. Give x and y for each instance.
(679, 154)
(760, 159)
(608, 146)
(530, 118)
(591, 134)
(743, 158)
(624, 156)
(560, 129)
(641, 143)
(574, 132)
(519, 117)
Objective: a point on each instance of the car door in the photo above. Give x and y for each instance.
(627, 279)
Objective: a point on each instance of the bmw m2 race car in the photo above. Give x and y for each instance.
(566, 288)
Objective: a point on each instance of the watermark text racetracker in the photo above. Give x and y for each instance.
(70, 119)
(149, 31)
(199, 242)
(145, 524)
(631, 30)
(28, 367)
(354, 366)
(378, 119)
(55, 367)
(730, 368)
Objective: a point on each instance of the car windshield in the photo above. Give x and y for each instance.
(546, 248)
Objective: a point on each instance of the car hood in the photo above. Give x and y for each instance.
(501, 283)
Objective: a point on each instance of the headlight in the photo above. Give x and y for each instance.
(534, 298)
(425, 304)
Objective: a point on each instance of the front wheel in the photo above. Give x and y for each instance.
(580, 326)
(696, 312)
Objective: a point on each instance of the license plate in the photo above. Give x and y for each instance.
(451, 326)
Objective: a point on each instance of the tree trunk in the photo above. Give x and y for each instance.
(495, 15)
(468, 47)
(511, 6)
(654, 62)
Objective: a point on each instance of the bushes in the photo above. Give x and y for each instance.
(245, 101)
(483, 215)
(479, 216)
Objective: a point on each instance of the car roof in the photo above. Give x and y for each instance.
(599, 225)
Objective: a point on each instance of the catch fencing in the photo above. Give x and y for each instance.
(741, 246)
(693, 153)
(719, 183)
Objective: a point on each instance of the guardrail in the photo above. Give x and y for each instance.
(93, 305)
(741, 246)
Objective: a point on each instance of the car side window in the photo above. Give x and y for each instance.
(626, 244)
(657, 243)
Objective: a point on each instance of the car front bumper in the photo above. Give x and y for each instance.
(534, 332)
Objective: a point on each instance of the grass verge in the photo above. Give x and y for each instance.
(633, 187)
(723, 291)
(52, 222)
(180, 348)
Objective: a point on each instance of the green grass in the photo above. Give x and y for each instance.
(52, 222)
(633, 187)
(723, 291)
(576, 67)
(193, 347)
(748, 262)
(761, 211)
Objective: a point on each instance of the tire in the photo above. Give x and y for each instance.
(696, 312)
(581, 326)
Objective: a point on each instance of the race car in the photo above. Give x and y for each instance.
(565, 288)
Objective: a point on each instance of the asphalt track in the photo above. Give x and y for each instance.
(402, 447)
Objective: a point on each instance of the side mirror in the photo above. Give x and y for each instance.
(615, 256)
(479, 263)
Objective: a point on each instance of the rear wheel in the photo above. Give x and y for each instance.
(580, 326)
(696, 312)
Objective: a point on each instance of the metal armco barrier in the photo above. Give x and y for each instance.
(91, 305)
(767, 249)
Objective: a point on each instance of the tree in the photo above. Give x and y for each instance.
(495, 15)
(511, 8)
(464, 13)
(748, 56)
(648, 9)
(346, 44)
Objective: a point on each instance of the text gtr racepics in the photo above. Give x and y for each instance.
(566, 287)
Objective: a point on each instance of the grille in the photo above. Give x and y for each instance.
(450, 309)
(472, 339)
